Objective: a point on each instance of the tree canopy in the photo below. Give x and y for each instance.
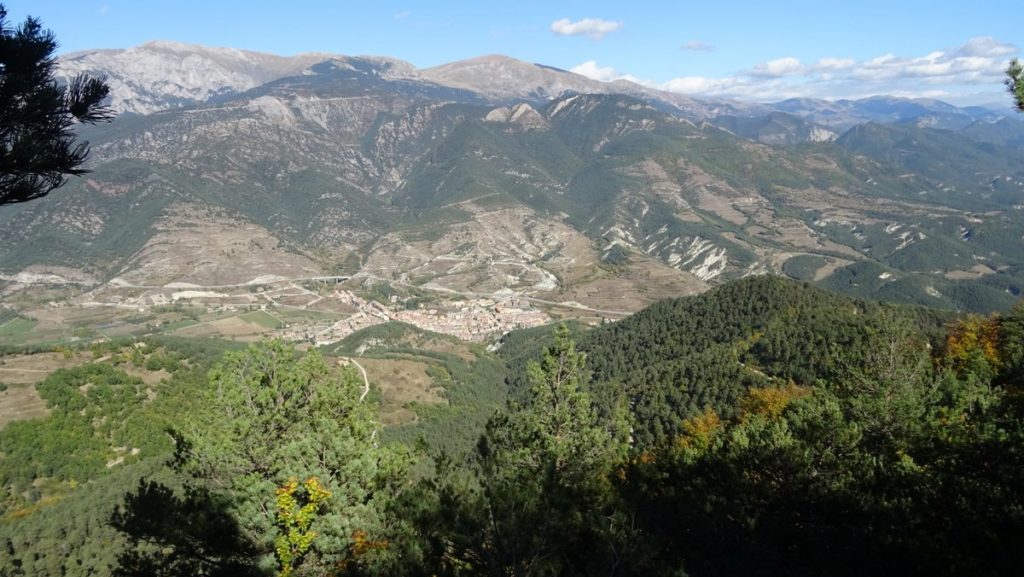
(1015, 83)
(37, 146)
(870, 439)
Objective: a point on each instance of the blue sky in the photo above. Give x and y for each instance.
(749, 50)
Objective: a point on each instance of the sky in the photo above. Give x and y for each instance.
(757, 51)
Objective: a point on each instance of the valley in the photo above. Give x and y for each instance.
(435, 181)
(322, 198)
(322, 314)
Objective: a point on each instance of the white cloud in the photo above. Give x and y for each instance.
(978, 60)
(778, 67)
(970, 73)
(402, 15)
(702, 85)
(834, 64)
(986, 46)
(698, 46)
(976, 67)
(590, 69)
(593, 28)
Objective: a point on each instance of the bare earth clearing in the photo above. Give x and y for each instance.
(198, 246)
(21, 403)
(401, 383)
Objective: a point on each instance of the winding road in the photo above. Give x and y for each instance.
(366, 379)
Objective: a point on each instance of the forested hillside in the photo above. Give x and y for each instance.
(364, 166)
(763, 428)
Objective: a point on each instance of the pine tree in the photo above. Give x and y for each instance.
(37, 145)
(1015, 83)
(270, 416)
(541, 499)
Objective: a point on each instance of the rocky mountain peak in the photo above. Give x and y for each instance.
(162, 74)
(380, 66)
(502, 77)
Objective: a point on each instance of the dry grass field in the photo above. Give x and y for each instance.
(21, 373)
(401, 383)
(21, 403)
(645, 281)
(32, 369)
(231, 327)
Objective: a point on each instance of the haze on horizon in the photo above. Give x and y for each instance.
(725, 50)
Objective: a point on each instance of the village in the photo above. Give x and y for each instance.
(309, 309)
(469, 320)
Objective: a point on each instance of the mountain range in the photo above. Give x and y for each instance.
(227, 166)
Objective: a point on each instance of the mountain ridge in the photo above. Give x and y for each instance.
(365, 165)
(232, 70)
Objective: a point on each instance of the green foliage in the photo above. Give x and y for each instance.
(57, 524)
(521, 347)
(802, 267)
(560, 416)
(269, 415)
(473, 387)
(171, 534)
(69, 534)
(16, 328)
(539, 496)
(1015, 83)
(616, 255)
(37, 145)
(828, 487)
(95, 409)
(763, 428)
(262, 319)
(678, 357)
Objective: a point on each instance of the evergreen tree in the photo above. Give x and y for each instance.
(37, 146)
(540, 500)
(1015, 83)
(269, 417)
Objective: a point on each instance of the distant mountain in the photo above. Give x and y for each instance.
(1007, 131)
(446, 179)
(775, 128)
(843, 114)
(161, 75)
(506, 79)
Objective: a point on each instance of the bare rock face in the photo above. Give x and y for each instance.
(520, 118)
(161, 75)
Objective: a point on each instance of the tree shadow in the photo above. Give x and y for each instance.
(191, 534)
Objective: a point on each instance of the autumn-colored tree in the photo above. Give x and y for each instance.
(771, 401)
(973, 345)
(699, 430)
(297, 507)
